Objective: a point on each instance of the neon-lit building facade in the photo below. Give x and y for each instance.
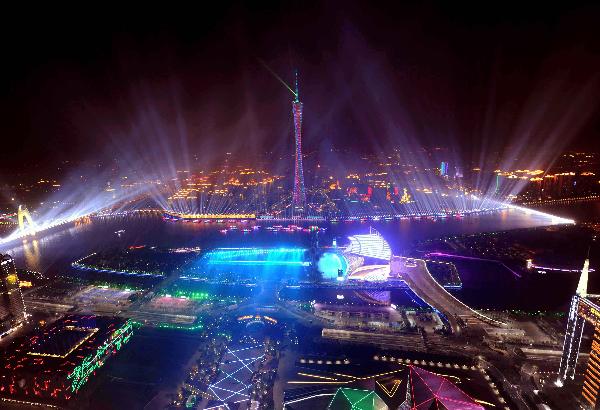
(299, 194)
(431, 391)
(12, 306)
(51, 365)
(584, 309)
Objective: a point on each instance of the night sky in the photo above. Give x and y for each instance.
(93, 83)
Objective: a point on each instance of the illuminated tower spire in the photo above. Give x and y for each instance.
(575, 325)
(299, 195)
(583, 280)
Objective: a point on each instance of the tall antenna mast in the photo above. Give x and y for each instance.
(297, 93)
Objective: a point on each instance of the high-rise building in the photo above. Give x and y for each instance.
(12, 307)
(299, 195)
(584, 310)
(444, 168)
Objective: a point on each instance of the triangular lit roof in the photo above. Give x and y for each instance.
(430, 390)
(354, 399)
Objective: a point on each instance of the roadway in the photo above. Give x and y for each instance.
(414, 272)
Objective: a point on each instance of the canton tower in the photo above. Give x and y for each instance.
(299, 196)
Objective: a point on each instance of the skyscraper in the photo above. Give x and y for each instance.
(444, 168)
(12, 307)
(299, 196)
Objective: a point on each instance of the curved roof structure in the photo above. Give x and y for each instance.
(371, 245)
(371, 273)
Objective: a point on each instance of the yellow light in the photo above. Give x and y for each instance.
(317, 377)
(90, 334)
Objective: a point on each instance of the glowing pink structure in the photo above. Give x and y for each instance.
(431, 391)
(299, 196)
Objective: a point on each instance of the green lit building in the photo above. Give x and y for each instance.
(355, 399)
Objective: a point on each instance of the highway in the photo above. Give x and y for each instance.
(414, 272)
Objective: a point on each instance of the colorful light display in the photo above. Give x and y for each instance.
(330, 264)
(430, 390)
(256, 256)
(80, 374)
(346, 398)
(236, 217)
(49, 366)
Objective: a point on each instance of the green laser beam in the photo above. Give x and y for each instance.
(279, 78)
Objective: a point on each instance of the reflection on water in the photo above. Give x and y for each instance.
(56, 250)
(31, 254)
(53, 252)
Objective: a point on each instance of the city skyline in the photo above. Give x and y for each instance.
(301, 206)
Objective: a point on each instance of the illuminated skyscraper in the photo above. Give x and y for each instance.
(444, 168)
(299, 196)
(584, 310)
(12, 307)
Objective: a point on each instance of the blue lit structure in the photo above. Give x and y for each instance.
(330, 263)
(251, 264)
(444, 168)
(256, 256)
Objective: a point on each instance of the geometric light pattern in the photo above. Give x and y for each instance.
(235, 372)
(355, 399)
(431, 391)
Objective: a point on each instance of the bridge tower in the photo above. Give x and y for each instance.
(23, 216)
